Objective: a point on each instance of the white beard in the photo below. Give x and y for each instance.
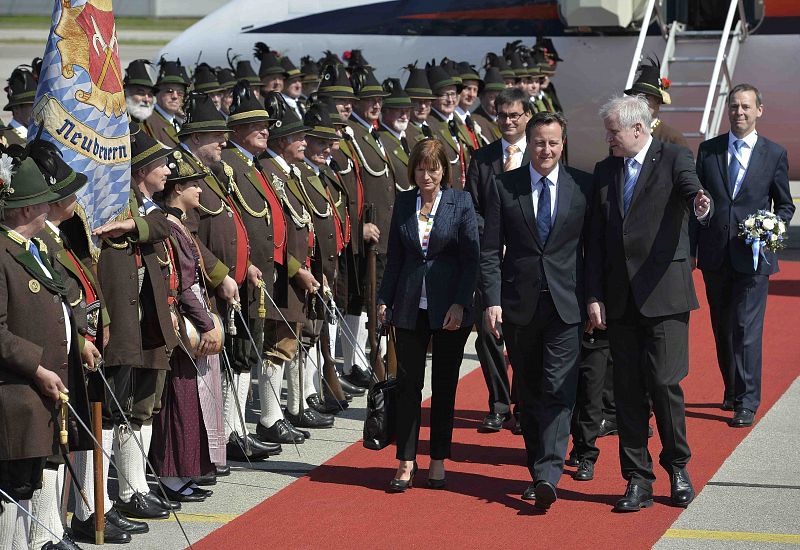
(400, 126)
(139, 111)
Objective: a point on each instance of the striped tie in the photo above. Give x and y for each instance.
(511, 159)
(630, 182)
(734, 167)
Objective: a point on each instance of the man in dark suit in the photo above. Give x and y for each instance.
(514, 111)
(536, 289)
(639, 277)
(744, 173)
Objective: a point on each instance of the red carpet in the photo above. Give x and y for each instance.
(344, 503)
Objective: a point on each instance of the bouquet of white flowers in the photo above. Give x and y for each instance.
(763, 230)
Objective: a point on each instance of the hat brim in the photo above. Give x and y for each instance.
(337, 93)
(73, 183)
(42, 198)
(156, 152)
(21, 99)
(637, 89)
(203, 127)
(247, 117)
(323, 132)
(138, 82)
(278, 129)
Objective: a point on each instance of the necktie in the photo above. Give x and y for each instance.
(630, 183)
(470, 124)
(734, 167)
(35, 252)
(257, 164)
(427, 131)
(452, 125)
(543, 211)
(511, 160)
(404, 143)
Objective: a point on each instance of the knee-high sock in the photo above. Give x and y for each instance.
(356, 326)
(46, 507)
(293, 389)
(147, 436)
(241, 391)
(84, 469)
(310, 374)
(130, 463)
(228, 408)
(270, 379)
(333, 331)
(14, 526)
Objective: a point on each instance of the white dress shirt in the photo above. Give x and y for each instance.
(640, 157)
(281, 161)
(170, 118)
(552, 182)
(743, 156)
(22, 131)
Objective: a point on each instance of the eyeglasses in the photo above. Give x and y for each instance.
(448, 95)
(179, 93)
(513, 117)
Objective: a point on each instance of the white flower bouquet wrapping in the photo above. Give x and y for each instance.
(763, 230)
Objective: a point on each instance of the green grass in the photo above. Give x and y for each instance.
(126, 23)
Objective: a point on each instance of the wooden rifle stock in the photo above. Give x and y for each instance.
(372, 301)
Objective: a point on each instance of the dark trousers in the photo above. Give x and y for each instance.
(493, 363)
(588, 411)
(447, 354)
(545, 358)
(139, 392)
(609, 406)
(738, 302)
(651, 357)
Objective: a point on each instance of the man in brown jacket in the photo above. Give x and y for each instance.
(171, 86)
(35, 350)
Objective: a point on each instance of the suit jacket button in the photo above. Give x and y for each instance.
(133, 302)
(591, 340)
(269, 238)
(724, 227)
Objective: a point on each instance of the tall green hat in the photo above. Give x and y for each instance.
(63, 180)
(270, 64)
(365, 85)
(492, 81)
(335, 84)
(549, 48)
(318, 119)
(21, 181)
(225, 77)
(498, 62)
(171, 72)
(329, 58)
(245, 108)
(205, 79)
(310, 69)
(286, 120)
(137, 74)
(417, 86)
(467, 72)
(439, 78)
(543, 63)
(145, 149)
(201, 115)
(649, 82)
(397, 98)
(451, 68)
(289, 68)
(355, 59)
(21, 88)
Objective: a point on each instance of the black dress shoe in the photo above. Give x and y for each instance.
(437, 484)
(236, 449)
(141, 508)
(400, 485)
(636, 497)
(681, 491)
(727, 405)
(273, 449)
(154, 497)
(573, 459)
(329, 405)
(222, 471)
(178, 496)
(124, 524)
(280, 432)
(530, 492)
(65, 544)
(351, 389)
(309, 418)
(493, 422)
(516, 429)
(585, 471)
(206, 479)
(84, 531)
(205, 493)
(607, 427)
(545, 494)
(743, 418)
(358, 377)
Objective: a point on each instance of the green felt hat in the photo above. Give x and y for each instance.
(22, 182)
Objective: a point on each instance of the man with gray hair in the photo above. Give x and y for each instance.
(639, 282)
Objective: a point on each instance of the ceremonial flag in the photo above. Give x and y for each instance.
(80, 103)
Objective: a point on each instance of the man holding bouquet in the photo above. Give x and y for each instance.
(744, 173)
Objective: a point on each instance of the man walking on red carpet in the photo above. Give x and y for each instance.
(638, 276)
(744, 173)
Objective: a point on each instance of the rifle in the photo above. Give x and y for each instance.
(375, 359)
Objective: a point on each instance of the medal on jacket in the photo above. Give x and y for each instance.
(34, 286)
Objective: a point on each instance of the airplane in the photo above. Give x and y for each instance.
(597, 45)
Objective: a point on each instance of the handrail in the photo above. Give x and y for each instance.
(637, 54)
(723, 43)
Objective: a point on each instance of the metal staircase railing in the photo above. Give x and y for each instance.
(724, 62)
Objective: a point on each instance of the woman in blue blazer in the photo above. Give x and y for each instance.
(426, 293)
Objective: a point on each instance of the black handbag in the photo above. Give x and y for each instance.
(380, 425)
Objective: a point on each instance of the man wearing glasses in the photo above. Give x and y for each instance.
(167, 118)
(514, 110)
